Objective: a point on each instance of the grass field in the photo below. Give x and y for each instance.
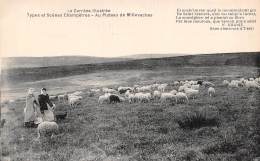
(141, 131)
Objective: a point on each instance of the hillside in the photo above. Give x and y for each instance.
(40, 73)
(31, 62)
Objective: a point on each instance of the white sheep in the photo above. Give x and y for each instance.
(196, 87)
(252, 84)
(191, 93)
(62, 98)
(108, 90)
(47, 129)
(181, 97)
(181, 88)
(162, 87)
(94, 90)
(156, 95)
(74, 100)
(233, 84)
(144, 88)
(173, 91)
(225, 82)
(104, 98)
(211, 91)
(167, 97)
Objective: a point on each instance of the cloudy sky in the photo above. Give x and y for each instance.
(109, 37)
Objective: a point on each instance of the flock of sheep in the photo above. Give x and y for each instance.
(251, 83)
(178, 92)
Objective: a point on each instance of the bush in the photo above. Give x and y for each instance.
(199, 117)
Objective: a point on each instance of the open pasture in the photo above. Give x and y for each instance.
(223, 127)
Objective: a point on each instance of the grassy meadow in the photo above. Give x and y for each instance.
(225, 127)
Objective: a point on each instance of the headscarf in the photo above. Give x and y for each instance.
(30, 91)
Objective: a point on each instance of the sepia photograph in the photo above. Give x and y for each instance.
(130, 80)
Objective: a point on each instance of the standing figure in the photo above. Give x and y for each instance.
(46, 106)
(32, 113)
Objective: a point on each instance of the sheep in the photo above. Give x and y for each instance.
(114, 98)
(211, 91)
(176, 83)
(225, 82)
(132, 98)
(94, 90)
(191, 93)
(252, 84)
(144, 88)
(196, 87)
(103, 98)
(63, 98)
(208, 84)
(233, 84)
(155, 86)
(157, 95)
(47, 129)
(167, 96)
(108, 90)
(162, 87)
(143, 97)
(200, 82)
(181, 88)
(74, 100)
(173, 91)
(122, 90)
(77, 93)
(181, 97)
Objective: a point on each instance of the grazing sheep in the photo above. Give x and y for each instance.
(200, 82)
(211, 91)
(47, 129)
(225, 82)
(155, 86)
(157, 95)
(94, 90)
(132, 98)
(77, 93)
(143, 97)
(181, 97)
(173, 91)
(167, 97)
(252, 85)
(62, 98)
(196, 87)
(104, 98)
(108, 90)
(114, 98)
(191, 93)
(233, 84)
(181, 88)
(61, 116)
(144, 88)
(74, 100)
(208, 84)
(176, 83)
(123, 90)
(162, 87)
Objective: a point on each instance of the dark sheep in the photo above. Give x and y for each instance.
(61, 116)
(114, 98)
(122, 91)
(200, 82)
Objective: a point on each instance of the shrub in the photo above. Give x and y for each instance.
(199, 117)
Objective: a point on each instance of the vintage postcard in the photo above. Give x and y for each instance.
(130, 80)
